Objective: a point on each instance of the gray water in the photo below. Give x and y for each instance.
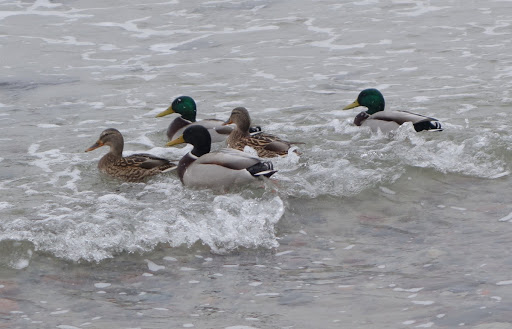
(362, 230)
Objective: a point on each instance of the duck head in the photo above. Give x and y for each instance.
(240, 117)
(196, 135)
(111, 137)
(370, 98)
(183, 105)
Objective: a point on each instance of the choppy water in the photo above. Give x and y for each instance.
(363, 230)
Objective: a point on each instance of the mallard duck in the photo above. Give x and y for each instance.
(202, 168)
(376, 118)
(133, 168)
(266, 145)
(186, 107)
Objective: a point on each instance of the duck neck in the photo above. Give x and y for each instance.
(200, 150)
(175, 126)
(243, 126)
(186, 161)
(376, 106)
(108, 159)
(236, 135)
(189, 115)
(116, 148)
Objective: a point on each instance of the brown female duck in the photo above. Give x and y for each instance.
(266, 145)
(133, 168)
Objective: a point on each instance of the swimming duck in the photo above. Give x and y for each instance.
(266, 145)
(202, 168)
(376, 118)
(186, 107)
(133, 168)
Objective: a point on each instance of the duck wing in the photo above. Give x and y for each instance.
(148, 161)
(400, 117)
(229, 158)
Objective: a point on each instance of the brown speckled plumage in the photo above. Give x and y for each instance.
(266, 145)
(133, 168)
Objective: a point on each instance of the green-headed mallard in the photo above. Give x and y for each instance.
(133, 168)
(266, 145)
(376, 118)
(202, 168)
(185, 106)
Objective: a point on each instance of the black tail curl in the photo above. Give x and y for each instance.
(263, 168)
(428, 125)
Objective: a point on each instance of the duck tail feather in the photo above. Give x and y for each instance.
(264, 168)
(169, 167)
(428, 125)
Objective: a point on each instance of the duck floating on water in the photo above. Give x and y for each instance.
(133, 168)
(266, 145)
(185, 106)
(376, 118)
(226, 167)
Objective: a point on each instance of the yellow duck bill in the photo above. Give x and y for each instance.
(176, 141)
(351, 106)
(166, 112)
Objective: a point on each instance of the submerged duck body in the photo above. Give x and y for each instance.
(133, 168)
(226, 167)
(266, 145)
(185, 106)
(378, 119)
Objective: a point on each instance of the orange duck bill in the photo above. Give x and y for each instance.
(95, 146)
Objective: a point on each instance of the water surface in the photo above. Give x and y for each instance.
(363, 230)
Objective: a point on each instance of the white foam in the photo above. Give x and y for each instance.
(423, 302)
(59, 312)
(5, 205)
(387, 190)
(154, 267)
(34, 11)
(113, 198)
(20, 263)
(284, 253)
(502, 219)
(102, 285)
(408, 290)
(47, 125)
(420, 8)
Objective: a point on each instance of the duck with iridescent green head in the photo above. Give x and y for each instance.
(377, 119)
(185, 106)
